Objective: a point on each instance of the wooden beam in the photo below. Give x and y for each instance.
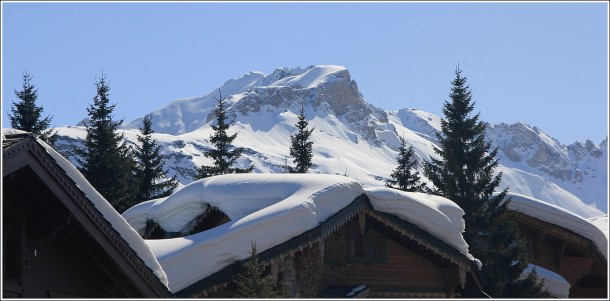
(560, 250)
(451, 278)
(574, 268)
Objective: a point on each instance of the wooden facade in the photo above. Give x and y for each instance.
(574, 257)
(55, 242)
(360, 246)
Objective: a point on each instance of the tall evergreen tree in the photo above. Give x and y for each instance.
(25, 114)
(253, 283)
(464, 173)
(106, 160)
(405, 177)
(223, 153)
(300, 145)
(149, 166)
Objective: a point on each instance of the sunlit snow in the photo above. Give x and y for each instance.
(561, 217)
(556, 285)
(270, 209)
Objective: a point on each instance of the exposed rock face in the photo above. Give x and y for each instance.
(333, 93)
(522, 143)
(352, 133)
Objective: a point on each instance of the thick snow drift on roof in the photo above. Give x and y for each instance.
(601, 222)
(436, 215)
(558, 216)
(557, 286)
(116, 220)
(137, 215)
(266, 208)
(270, 209)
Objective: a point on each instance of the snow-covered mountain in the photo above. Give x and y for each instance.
(355, 138)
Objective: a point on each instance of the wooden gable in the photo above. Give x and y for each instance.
(393, 258)
(574, 257)
(55, 242)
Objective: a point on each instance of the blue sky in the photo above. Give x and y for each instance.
(545, 64)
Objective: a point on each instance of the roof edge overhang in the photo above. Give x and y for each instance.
(316, 235)
(578, 239)
(25, 150)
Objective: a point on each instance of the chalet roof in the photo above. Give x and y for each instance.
(21, 149)
(409, 231)
(564, 219)
(285, 213)
(12, 136)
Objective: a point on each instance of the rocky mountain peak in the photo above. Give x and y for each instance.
(350, 134)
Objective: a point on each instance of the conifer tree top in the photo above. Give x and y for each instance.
(26, 115)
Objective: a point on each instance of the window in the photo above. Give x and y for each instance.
(334, 250)
(356, 242)
(369, 246)
(377, 245)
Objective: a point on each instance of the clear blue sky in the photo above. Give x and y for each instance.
(545, 64)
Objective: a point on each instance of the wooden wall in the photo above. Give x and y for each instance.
(57, 257)
(567, 254)
(405, 273)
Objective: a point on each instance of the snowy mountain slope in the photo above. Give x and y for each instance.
(578, 169)
(355, 138)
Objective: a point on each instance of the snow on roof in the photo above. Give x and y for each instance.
(556, 285)
(270, 209)
(561, 217)
(112, 216)
(7, 132)
(436, 215)
(601, 222)
(266, 208)
(137, 215)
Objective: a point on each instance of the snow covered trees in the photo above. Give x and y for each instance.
(224, 154)
(405, 177)
(149, 166)
(300, 146)
(105, 160)
(464, 173)
(25, 114)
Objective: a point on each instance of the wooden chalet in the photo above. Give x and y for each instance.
(574, 257)
(359, 252)
(55, 241)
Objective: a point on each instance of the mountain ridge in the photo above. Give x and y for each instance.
(356, 138)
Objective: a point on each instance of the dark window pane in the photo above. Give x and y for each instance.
(376, 245)
(356, 242)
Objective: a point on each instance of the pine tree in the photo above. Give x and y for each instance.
(149, 166)
(309, 276)
(253, 283)
(301, 146)
(405, 177)
(106, 160)
(25, 114)
(464, 173)
(223, 153)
